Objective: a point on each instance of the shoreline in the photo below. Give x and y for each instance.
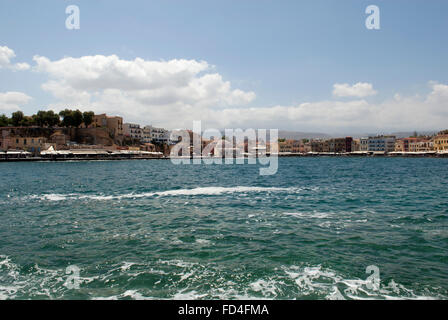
(44, 159)
(130, 157)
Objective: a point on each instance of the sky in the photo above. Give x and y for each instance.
(309, 66)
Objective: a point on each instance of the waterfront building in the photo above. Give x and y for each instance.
(335, 145)
(284, 147)
(355, 145)
(319, 146)
(407, 142)
(325, 146)
(382, 143)
(348, 144)
(305, 147)
(414, 144)
(133, 131)
(4, 143)
(421, 145)
(399, 145)
(403, 144)
(152, 134)
(290, 146)
(341, 145)
(59, 139)
(31, 144)
(113, 124)
(441, 143)
(364, 144)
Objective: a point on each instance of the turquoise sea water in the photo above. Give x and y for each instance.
(151, 229)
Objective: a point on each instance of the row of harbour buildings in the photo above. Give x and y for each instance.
(111, 134)
(104, 134)
(376, 144)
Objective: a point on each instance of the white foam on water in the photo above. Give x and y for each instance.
(126, 266)
(57, 197)
(268, 288)
(131, 294)
(134, 294)
(203, 241)
(7, 292)
(211, 191)
(320, 281)
(312, 214)
(116, 297)
(335, 295)
(188, 295)
(187, 279)
(176, 241)
(41, 282)
(185, 276)
(326, 224)
(178, 263)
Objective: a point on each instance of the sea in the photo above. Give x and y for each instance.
(320, 228)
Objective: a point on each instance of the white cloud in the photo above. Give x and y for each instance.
(360, 90)
(175, 93)
(21, 66)
(160, 92)
(439, 95)
(12, 100)
(396, 114)
(6, 54)
(399, 113)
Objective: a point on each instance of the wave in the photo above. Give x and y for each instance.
(291, 282)
(124, 281)
(206, 191)
(313, 214)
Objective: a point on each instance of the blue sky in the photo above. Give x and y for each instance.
(286, 52)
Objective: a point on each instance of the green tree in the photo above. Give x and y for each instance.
(51, 118)
(39, 118)
(17, 118)
(4, 121)
(27, 121)
(77, 118)
(87, 117)
(46, 118)
(67, 117)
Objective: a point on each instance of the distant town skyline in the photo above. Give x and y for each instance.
(308, 66)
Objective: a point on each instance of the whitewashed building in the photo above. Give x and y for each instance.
(364, 144)
(152, 134)
(133, 131)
